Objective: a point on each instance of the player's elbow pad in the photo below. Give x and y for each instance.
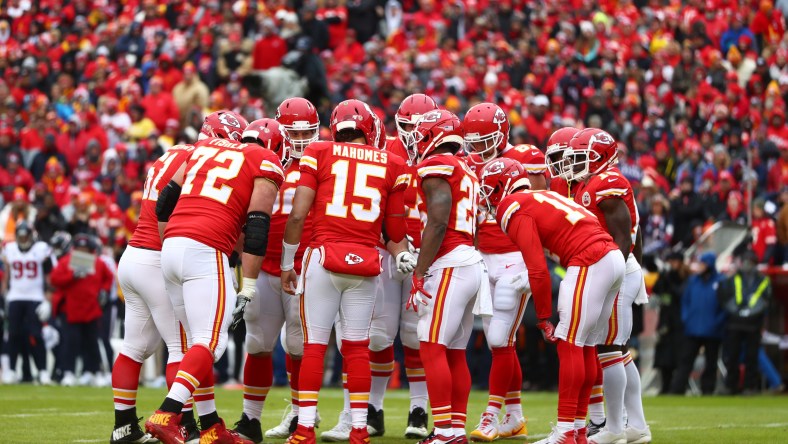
(256, 233)
(168, 198)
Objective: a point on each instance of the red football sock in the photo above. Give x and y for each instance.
(417, 383)
(125, 381)
(258, 377)
(439, 382)
(196, 370)
(589, 360)
(571, 374)
(170, 371)
(309, 381)
(359, 379)
(504, 360)
(461, 387)
(293, 370)
(514, 393)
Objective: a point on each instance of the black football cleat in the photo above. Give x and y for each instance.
(375, 423)
(249, 429)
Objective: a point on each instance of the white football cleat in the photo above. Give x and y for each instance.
(282, 431)
(513, 427)
(341, 431)
(86, 379)
(635, 436)
(9, 377)
(487, 430)
(44, 378)
(605, 436)
(556, 437)
(69, 380)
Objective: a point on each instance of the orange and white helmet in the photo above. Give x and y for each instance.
(301, 122)
(485, 130)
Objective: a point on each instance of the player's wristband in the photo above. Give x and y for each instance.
(288, 256)
(249, 283)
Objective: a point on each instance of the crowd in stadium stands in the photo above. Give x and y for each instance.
(694, 91)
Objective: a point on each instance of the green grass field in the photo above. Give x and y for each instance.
(30, 414)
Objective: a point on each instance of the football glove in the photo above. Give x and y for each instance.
(44, 311)
(413, 250)
(406, 262)
(548, 330)
(521, 283)
(418, 296)
(247, 293)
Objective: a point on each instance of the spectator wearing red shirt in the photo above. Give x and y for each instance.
(105, 219)
(18, 177)
(778, 173)
(350, 51)
(170, 75)
(82, 288)
(335, 16)
(269, 49)
(538, 124)
(764, 233)
(159, 104)
(73, 142)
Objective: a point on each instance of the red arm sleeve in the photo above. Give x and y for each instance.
(395, 216)
(523, 232)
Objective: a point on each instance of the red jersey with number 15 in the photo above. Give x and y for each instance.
(412, 218)
(146, 235)
(491, 240)
(464, 193)
(217, 188)
(352, 184)
(538, 220)
(282, 207)
(608, 185)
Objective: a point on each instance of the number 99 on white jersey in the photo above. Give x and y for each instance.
(25, 270)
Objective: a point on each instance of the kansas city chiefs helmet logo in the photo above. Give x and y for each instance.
(431, 117)
(353, 259)
(499, 117)
(601, 137)
(493, 168)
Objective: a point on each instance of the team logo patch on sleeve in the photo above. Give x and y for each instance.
(586, 199)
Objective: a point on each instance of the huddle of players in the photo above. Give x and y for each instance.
(374, 236)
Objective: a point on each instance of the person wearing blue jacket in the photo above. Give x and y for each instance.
(703, 318)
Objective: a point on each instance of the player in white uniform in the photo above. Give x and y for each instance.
(27, 264)
(486, 133)
(390, 315)
(266, 314)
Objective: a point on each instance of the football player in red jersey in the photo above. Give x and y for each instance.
(604, 191)
(266, 313)
(450, 273)
(506, 268)
(356, 191)
(556, 164)
(537, 220)
(224, 189)
(390, 314)
(149, 314)
(302, 125)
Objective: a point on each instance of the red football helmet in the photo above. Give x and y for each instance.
(486, 130)
(224, 124)
(434, 129)
(591, 151)
(499, 178)
(556, 145)
(269, 134)
(355, 114)
(301, 122)
(408, 113)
